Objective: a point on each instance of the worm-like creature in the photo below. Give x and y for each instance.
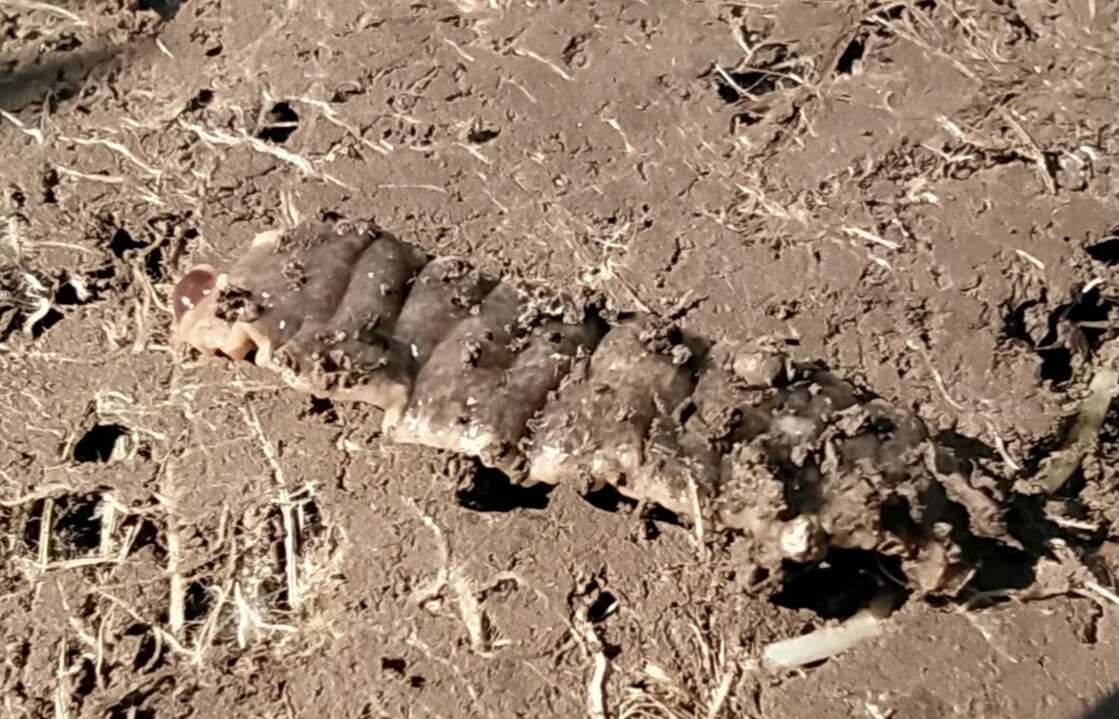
(539, 385)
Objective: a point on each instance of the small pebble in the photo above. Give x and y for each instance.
(758, 369)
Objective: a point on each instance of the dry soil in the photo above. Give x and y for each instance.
(916, 193)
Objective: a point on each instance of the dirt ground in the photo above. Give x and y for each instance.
(917, 193)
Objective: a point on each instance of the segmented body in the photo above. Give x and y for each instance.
(540, 386)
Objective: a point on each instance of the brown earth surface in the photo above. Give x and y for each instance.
(917, 194)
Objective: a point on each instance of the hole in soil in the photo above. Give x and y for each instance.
(965, 446)
(1000, 568)
(87, 676)
(148, 536)
(394, 664)
(491, 491)
(765, 76)
(482, 135)
(416, 681)
(840, 585)
(50, 319)
(75, 526)
(1075, 328)
(321, 408)
(196, 601)
(282, 121)
(345, 91)
(955, 452)
(124, 246)
(601, 607)
(1056, 365)
(146, 657)
(1090, 307)
(1106, 251)
(97, 444)
(728, 93)
(200, 101)
(48, 182)
(122, 242)
(72, 291)
(33, 527)
(850, 57)
(655, 513)
(166, 9)
(1014, 324)
(77, 523)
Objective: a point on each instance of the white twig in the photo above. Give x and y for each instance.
(33, 132)
(290, 568)
(870, 237)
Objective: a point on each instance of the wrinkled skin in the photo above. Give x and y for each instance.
(533, 384)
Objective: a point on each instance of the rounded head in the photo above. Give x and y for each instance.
(194, 287)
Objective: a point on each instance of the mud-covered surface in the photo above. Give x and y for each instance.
(915, 196)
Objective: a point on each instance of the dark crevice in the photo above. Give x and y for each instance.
(33, 526)
(200, 101)
(77, 524)
(282, 121)
(491, 490)
(197, 601)
(320, 408)
(67, 292)
(608, 499)
(122, 242)
(98, 443)
(1000, 568)
(851, 56)
(397, 665)
(842, 583)
(125, 247)
(146, 654)
(482, 135)
(1106, 251)
(166, 9)
(50, 319)
(1014, 323)
(85, 681)
(1056, 365)
(1062, 336)
(600, 608)
(654, 513)
(148, 537)
(763, 77)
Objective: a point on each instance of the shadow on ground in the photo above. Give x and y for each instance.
(1108, 708)
(61, 77)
